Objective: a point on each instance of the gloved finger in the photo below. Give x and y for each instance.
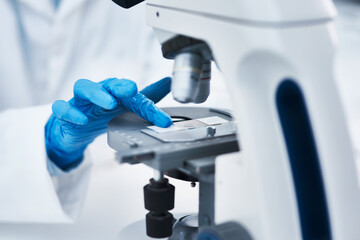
(158, 90)
(146, 109)
(66, 112)
(86, 90)
(120, 88)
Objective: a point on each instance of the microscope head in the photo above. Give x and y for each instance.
(192, 63)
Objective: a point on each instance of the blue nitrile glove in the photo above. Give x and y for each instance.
(76, 123)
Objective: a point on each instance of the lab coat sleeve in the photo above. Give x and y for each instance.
(28, 192)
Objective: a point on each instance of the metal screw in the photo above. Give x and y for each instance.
(193, 184)
(211, 131)
(158, 175)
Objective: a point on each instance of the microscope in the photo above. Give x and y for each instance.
(294, 176)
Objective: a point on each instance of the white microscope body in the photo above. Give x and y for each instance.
(277, 58)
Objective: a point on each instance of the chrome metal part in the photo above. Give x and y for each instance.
(186, 76)
(158, 175)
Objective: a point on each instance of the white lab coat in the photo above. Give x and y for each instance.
(42, 54)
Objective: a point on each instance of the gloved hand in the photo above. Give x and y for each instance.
(76, 123)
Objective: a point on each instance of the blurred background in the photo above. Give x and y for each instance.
(115, 198)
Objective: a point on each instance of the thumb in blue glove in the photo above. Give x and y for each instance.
(76, 123)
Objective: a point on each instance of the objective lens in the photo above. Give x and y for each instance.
(186, 76)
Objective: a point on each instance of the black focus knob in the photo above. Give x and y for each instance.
(159, 225)
(159, 197)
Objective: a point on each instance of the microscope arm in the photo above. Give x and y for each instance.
(270, 187)
(295, 177)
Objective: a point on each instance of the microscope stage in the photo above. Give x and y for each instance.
(197, 133)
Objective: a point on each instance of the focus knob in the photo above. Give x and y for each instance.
(159, 225)
(159, 199)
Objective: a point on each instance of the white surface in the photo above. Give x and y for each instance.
(27, 191)
(256, 11)
(172, 128)
(213, 120)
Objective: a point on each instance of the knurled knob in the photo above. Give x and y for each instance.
(159, 225)
(159, 195)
